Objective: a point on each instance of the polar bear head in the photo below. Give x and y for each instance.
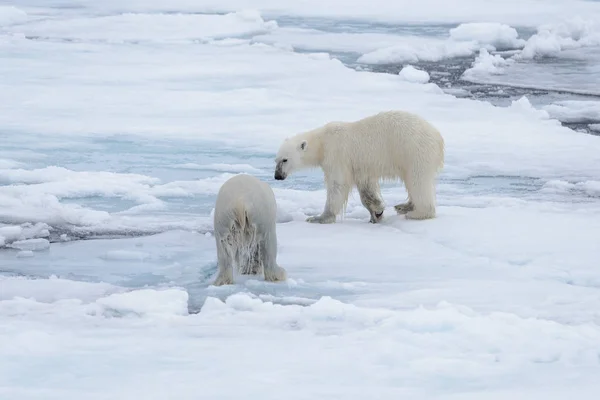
(290, 157)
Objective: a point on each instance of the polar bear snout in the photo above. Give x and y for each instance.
(279, 173)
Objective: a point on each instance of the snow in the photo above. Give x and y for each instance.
(571, 45)
(151, 27)
(552, 39)
(575, 111)
(501, 36)
(412, 74)
(486, 63)
(511, 12)
(419, 50)
(25, 253)
(590, 188)
(52, 289)
(11, 15)
(31, 244)
(319, 40)
(4, 163)
(146, 301)
(125, 255)
(15, 233)
(237, 168)
(121, 120)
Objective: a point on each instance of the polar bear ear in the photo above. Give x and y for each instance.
(303, 145)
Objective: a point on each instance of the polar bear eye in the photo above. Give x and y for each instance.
(284, 160)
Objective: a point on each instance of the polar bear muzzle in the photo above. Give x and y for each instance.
(279, 174)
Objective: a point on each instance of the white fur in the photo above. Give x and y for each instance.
(245, 233)
(390, 145)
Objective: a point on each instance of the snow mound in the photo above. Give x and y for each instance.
(31, 244)
(16, 233)
(140, 27)
(10, 232)
(575, 111)
(551, 39)
(43, 208)
(52, 289)
(419, 49)
(589, 188)
(412, 74)
(524, 107)
(11, 15)
(25, 254)
(8, 164)
(145, 302)
(76, 178)
(450, 331)
(322, 40)
(595, 127)
(463, 41)
(500, 36)
(486, 63)
(37, 195)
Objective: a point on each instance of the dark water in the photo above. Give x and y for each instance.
(446, 73)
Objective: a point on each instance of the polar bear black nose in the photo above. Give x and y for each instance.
(279, 176)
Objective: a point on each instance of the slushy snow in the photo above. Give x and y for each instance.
(122, 119)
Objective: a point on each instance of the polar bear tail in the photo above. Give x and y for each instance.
(240, 214)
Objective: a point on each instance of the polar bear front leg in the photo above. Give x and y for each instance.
(370, 197)
(337, 195)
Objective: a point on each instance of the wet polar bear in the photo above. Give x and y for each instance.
(244, 225)
(388, 145)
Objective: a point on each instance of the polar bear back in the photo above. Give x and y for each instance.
(384, 145)
(245, 194)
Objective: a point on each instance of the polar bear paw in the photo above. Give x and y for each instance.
(376, 217)
(321, 219)
(404, 208)
(223, 279)
(276, 274)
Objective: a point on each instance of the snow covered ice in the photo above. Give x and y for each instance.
(120, 120)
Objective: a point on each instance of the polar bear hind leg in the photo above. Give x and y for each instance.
(225, 262)
(268, 258)
(370, 197)
(255, 265)
(404, 208)
(421, 194)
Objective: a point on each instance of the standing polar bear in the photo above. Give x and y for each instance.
(244, 225)
(388, 145)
